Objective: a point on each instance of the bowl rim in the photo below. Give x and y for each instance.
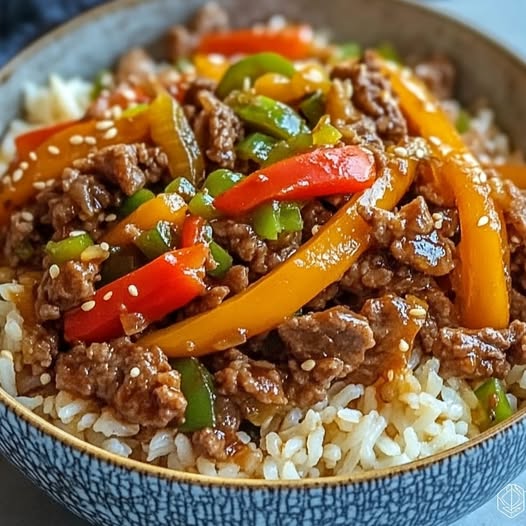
(95, 453)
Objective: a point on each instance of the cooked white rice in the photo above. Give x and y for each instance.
(357, 428)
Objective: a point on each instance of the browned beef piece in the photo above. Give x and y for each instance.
(512, 201)
(391, 319)
(21, 239)
(182, 40)
(412, 237)
(517, 335)
(373, 270)
(129, 166)
(334, 333)
(74, 285)
(107, 371)
(135, 65)
(211, 299)
(372, 95)
(39, 347)
(241, 241)
(327, 295)
(210, 442)
(314, 215)
(236, 279)
(438, 73)
(517, 306)
(217, 129)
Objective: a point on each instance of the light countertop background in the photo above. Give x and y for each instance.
(22, 504)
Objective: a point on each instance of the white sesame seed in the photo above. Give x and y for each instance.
(17, 175)
(484, 220)
(53, 150)
(116, 112)
(76, 139)
(54, 271)
(128, 94)
(390, 375)
(45, 378)
(24, 165)
(104, 125)
(438, 224)
(483, 177)
(420, 153)
(105, 246)
(27, 216)
(417, 312)
(107, 114)
(90, 140)
(87, 305)
(39, 185)
(435, 140)
(108, 295)
(33, 156)
(49, 183)
(403, 346)
(515, 239)
(134, 372)
(400, 151)
(437, 216)
(132, 289)
(75, 233)
(111, 217)
(308, 365)
(110, 134)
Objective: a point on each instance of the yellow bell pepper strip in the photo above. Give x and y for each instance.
(482, 288)
(318, 263)
(58, 152)
(210, 66)
(515, 172)
(164, 207)
(172, 132)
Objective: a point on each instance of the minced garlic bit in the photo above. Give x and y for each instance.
(75, 233)
(87, 305)
(54, 271)
(132, 289)
(110, 134)
(417, 312)
(53, 150)
(403, 346)
(134, 372)
(308, 365)
(484, 220)
(108, 295)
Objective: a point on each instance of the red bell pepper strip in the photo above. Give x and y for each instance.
(325, 171)
(195, 230)
(294, 42)
(152, 291)
(32, 139)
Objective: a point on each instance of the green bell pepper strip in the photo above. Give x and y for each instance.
(313, 107)
(68, 249)
(134, 110)
(122, 261)
(266, 220)
(222, 258)
(267, 115)
(133, 202)
(253, 67)
(221, 180)
(181, 186)
(387, 51)
(493, 400)
(202, 204)
(284, 149)
(324, 133)
(198, 389)
(349, 50)
(463, 121)
(255, 147)
(290, 217)
(155, 242)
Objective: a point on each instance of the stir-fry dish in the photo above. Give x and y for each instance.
(267, 256)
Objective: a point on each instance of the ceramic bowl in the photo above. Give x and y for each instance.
(110, 491)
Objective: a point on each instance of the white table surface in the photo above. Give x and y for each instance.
(21, 504)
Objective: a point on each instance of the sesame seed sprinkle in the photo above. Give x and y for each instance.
(420, 153)
(435, 140)
(437, 216)
(111, 217)
(105, 246)
(483, 221)
(17, 175)
(27, 216)
(53, 150)
(39, 185)
(104, 125)
(417, 312)
(400, 151)
(515, 239)
(308, 365)
(76, 139)
(132, 289)
(108, 295)
(87, 305)
(403, 346)
(24, 165)
(110, 134)
(90, 140)
(33, 156)
(54, 271)
(75, 233)
(390, 375)
(483, 177)
(45, 378)
(134, 372)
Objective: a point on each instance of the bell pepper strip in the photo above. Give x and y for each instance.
(121, 261)
(211, 66)
(181, 186)
(31, 140)
(222, 259)
(494, 402)
(266, 221)
(198, 388)
(267, 115)
(463, 121)
(195, 230)
(255, 147)
(68, 249)
(172, 132)
(251, 68)
(290, 217)
(155, 242)
(135, 200)
(313, 107)
(165, 207)
(325, 171)
(202, 204)
(58, 152)
(300, 143)
(152, 291)
(324, 133)
(219, 181)
(293, 42)
(515, 172)
(481, 227)
(133, 111)
(319, 262)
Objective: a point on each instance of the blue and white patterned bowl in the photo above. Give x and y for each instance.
(109, 490)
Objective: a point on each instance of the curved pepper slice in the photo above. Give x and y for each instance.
(515, 172)
(324, 171)
(294, 42)
(32, 139)
(151, 292)
(482, 290)
(164, 207)
(317, 264)
(57, 153)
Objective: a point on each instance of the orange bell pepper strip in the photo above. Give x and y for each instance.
(515, 172)
(164, 207)
(482, 289)
(294, 42)
(48, 161)
(32, 139)
(318, 263)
